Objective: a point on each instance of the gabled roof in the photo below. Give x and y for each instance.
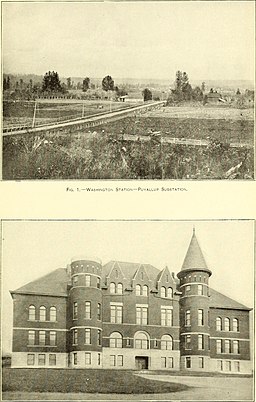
(218, 300)
(194, 259)
(54, 284)
(130, 268)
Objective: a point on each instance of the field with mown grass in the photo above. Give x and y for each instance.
(82, 380)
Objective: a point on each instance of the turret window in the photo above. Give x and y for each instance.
(187, 289)
(98, 282)
(87, 310)
(53, 313)
(42, 313)
(187, 318)
(99, 337)
(226, 324)
(32, 313)
(200, 317)
(235, 325)
(75, 309)
(88, 359)
(87, 336)
(74, 336)
(116, 340)
(99, 311)
(88, 280)
(218, 324)
(200, 342)
(200, 290)
(187, 341)
(75, 279)
(112, 287)
(166, 342)
(119, 288)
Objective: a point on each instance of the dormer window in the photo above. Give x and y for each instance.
(163, 291)
(138, 290)
(144, 290)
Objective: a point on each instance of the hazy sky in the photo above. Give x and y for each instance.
(33, 249)
(209, 40)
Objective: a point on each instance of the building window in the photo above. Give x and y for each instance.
(112, 287)
(145, 290)
(187, 289)
(188, 362)
(87, 280)
(116, 340)
(155, 343)
(52, 359)
(87, 336)
(75, 308)
(53, 338)
(187, 318)
(112, 360)
(170, 362)
(200, 342)
(218, 324)
(166, 316)
(163, 362)
(187, 341)
(200, 317)
(41, 359)
(228, 365)
(53, 314)
(120, 360)
(166, 342)
(98, 283)
(200, 290)
(30, 359)
(227, 346)
(87, 310)
(163, 291)
(42, 338)
(219, 365)
(218, 346)
(141, 341)
(32, 313)
(201, 362)
(99, 337)
(99, 311)
(142, 315)
(75, 280)
(237, 366)
(74, 336)
(75, 359)
(138, 290)
(88, 359)
(226, 324)
(169, 293)
(120, 288)
(235, 347)
(99, 359)
(235, 325)
(116, 314)
(42, 313)
(31, 337)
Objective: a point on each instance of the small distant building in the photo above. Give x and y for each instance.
(214, 97)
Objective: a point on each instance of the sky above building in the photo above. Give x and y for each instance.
(34, 248)
(208, 40)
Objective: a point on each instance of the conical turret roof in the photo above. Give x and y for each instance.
(194, 259)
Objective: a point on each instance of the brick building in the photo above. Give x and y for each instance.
(130, 316)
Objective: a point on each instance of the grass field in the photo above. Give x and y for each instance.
(82, 380)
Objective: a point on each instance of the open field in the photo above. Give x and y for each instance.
(21, 112)
(82, 380)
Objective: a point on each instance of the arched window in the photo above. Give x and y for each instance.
(145, 290)
(226, 324)
(235, 325)
(53, 313)
(169, 293)
(141, 340)
(32, 313)
(166, 342)
(112, 287)
(119, 288)
(163, 291)
(218, 324)
(138, 290)
(42, 313)
(116, 340)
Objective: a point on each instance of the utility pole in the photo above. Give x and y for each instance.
(34, 116)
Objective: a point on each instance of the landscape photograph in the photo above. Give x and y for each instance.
(128, 90)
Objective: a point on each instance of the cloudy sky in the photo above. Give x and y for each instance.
(209, 40)
(34, 248)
